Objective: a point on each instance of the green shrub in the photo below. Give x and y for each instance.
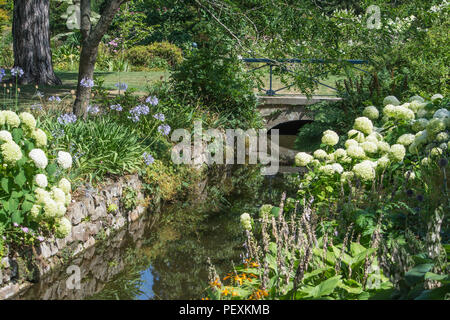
(100, 146)
(151, 56)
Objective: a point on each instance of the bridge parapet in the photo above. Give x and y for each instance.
(280, 109)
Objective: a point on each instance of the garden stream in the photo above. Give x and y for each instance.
(164, 254)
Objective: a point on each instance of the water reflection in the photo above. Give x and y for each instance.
(164, 255)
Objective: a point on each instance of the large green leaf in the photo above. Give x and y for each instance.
(20, 179)
(417, 274)
(325, 288)
(5, 184)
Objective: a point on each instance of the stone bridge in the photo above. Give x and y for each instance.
(277, 110)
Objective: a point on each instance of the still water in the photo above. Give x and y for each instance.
(164, 254)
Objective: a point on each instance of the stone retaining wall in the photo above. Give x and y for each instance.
(91, 222)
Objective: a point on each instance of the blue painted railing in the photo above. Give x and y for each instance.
(272, 63)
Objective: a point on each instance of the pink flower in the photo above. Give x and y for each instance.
(25, 229)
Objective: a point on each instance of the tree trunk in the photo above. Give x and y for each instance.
(91, 38)
(31, 33)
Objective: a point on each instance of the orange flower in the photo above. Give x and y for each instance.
(226, 292)
(216, 283)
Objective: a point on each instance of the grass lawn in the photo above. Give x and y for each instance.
(137, 80)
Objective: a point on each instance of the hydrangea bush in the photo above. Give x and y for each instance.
(34, 194)
(417, 129)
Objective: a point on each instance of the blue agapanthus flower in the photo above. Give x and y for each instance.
(138, 111)
(152, 101)
(54, 98)
(159, 116)
(87, 83)
(148, 158)
(164, 129)
(116, 107)
(194, 44)
(93, 109)
(17, 71)
(121, 86)
(2, 74)
(67, 118)
(36, 107)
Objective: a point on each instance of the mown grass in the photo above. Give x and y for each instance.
(137, 80)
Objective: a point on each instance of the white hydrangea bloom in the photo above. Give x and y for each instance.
(11, 118)
(337, 168)
(5, 136)
(369, 147)
(413, 147)
(389, 110)
(246, 221)
(437, 96)
(356, 135)
(11, 152)
(442, 136)
(50, 208)
(383, 162)
(64, 159)
(397, 152)
(422, 113)
(347, 175)
(410, 175)
(365, 170)
(2, 118)
(41, 195)
(371, 112)
(416, 98)
(65, 186)
(64, 227)
(425, 161)
(391, 100)
(383, 146)
(41, 180)
(327, 170)
(320, 154)
(351, 142)
(402, 113)
(435, 152)
(441, 113)
(435, 126)
(35, 211)
(39, 158)
(339, 153)
(28, 120)
(40, 137)
(419, 124)
(406, 139)
(356, 152)
(415, 106)
(61, 210)
(364, 125)
(372, 138)
(58, 195)
(421, 137)
(330, 138)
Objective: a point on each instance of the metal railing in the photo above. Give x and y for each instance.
(275, 63)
